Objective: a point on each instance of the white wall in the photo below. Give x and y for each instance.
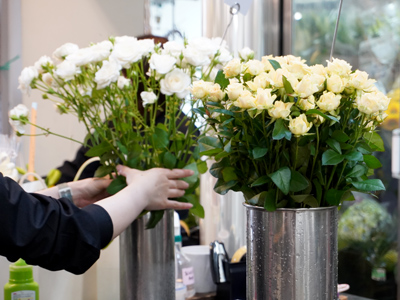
(48, 24)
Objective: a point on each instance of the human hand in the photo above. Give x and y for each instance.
(157, 185)
(88, 191)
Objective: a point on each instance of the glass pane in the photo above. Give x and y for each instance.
(368, 38)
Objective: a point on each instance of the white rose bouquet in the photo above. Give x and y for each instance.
(289, 135)
(130, 95)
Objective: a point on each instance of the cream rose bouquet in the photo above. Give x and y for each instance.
(130, 94)
(289, 135)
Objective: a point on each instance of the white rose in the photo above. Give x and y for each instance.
(48, 79)
(109, 72)
(246, 54)
(224, 56)
(123, 82)
(306, 103)
(329, 101)
(7, 168)
(28, 74)
(67, 70)
(148, 98)
(299, 126)
(233, 68)
(129, 50)
(200, 89)
(173, 48)
(162, 63)
(246, 100)
(101, 51)
(43, 62)
(81, 57)
(125, 39)
(85, 90)
(372, 103)
(254, 67)
(196, 57)
(359, 80)
(17, 115)
(234, 89)
(65, 50)
(280, 110)
(260, 81)
(264, 99)
(215, 92)
(204, 46)
(338, 67)
(306, 87)
(175, 82)
(335, 84)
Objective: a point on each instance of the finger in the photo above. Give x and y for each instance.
(175, 193)
(124, 170)
(180, 173)
(178, 205)
(178, 184)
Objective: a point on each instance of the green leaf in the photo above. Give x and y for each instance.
(316, 111)
(364, 148)
(122, 148)
(357, 171)
(369, 185)
(261, 180)
(155, 217)
(259, 152)
(335, 145)
(202, 166)
(197, 209)
(281, 178)
(331, 157)
(208, 144)
(221, 79)
(247, 77)
(280, 131)
(274, 64)
(340, 136)
(169, 160)
(270, 200)
(217, 167)
(306, 199)
(228, 147)
(354, 155)
(192, 179)
(372, 162)
(116, 185)
(220, 155)
(229, 174)
(223, 111)
(287, 85)
(374, 140)
(103, 171)
(298, 182)
(99, 149)
(160, 138)
(221, 187)
(333, 197)
(318, 190)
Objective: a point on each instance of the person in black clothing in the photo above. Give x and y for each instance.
(57, 234)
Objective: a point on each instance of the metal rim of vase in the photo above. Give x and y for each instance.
(249, 206)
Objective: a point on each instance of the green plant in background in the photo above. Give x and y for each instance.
(130, 94)
(289, 135)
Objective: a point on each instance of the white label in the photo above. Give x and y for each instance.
(188, 276)
(23, 295)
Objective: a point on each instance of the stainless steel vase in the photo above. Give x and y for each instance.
(291, 254)
(147, 261)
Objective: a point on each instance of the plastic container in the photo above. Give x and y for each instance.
(21, 284)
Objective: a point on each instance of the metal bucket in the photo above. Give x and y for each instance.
(292, 254)
(147, 260)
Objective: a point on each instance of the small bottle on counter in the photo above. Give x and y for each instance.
(184, 273)
(21, 284)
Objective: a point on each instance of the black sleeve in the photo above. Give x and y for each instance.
(51, 233)
(70, 168)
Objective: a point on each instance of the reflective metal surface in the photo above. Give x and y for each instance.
(147, 261)
(292, 253)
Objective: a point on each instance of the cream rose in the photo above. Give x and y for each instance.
(65, 50)
(200, 89)
(338, 67)
(335, 84)
(329, 101)
(298, 69)
(371, 103)
(162, 63)
(109, 72)
(306, 87)
(299, 126)
(260, 81)
(234, 89)
(319, 69)
(254, 67)
(306, 103)
(148, 98)
(265, 99)
(267, 65)
(233, 68)
(67, 70)
(246, 100)
(175, 82)
(28, 74)
(215, 92)
(359, 80)
(280, 110)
